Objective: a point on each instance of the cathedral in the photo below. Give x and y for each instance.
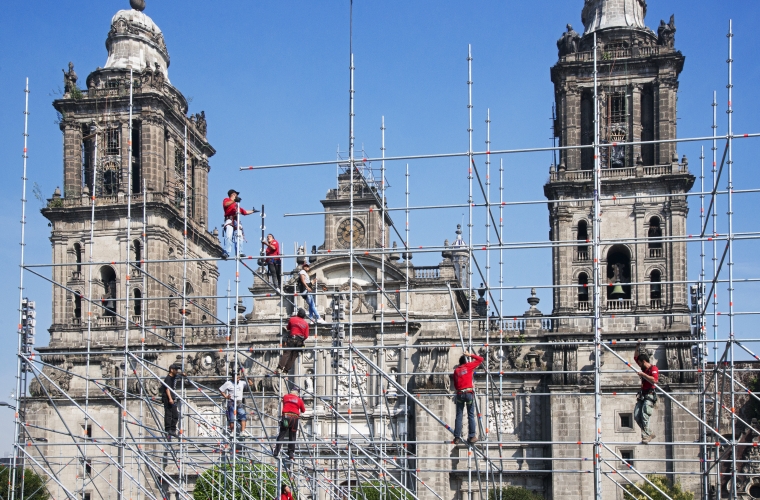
(134, 284)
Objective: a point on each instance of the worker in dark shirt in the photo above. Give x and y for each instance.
(465, 395)
(171, 402)
(647, 396)
(286, 494)
(292, 407)
(298, 330)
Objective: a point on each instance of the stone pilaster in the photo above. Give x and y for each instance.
(72, 158)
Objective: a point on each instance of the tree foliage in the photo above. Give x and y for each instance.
(673, 492)
(513, 493)
(381, 490)
(253, 481)
(34, 484)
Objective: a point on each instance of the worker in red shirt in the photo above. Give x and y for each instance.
(465, 395)
(286, 494)
(298, 332)
(647, 396)
(231, 205)
(292, 407)
(274, 264)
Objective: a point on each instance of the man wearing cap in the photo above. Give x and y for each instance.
(231, 206)
(298, 330)
(292, 407)
(171, 403)
(465, 396)
(304, 288)
(233, 393)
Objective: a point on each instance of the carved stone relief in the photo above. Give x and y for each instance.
(433, 368)
(352, 382)
(501, 416)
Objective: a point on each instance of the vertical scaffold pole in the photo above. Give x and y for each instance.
(730, 161)
(127, 272)
(714, 199)
(19, 352)
(597, 291)
(488, 277)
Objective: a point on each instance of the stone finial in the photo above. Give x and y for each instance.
(137, 4)
(57, 192)
(533, 300)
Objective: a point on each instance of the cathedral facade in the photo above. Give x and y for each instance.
(376, 378)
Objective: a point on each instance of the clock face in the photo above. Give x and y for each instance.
(344, 233)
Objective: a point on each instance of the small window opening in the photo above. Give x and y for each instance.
(583, 288)
(78, 256)
(113, 142)
(77, 305)
(626, 421)
(138, 302)
(627, 456)
(655, 238)
(583, 239)
(138, 253)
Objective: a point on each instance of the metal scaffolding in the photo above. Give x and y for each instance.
(355, 456)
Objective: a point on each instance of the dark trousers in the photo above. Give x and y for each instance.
(275, 272)
(465, 399)
(289, 357)
(171, 417)
(290, 432)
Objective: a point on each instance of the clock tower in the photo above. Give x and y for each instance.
(367, 222)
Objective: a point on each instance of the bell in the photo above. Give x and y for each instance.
(617, 291)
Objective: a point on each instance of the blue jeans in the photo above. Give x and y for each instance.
(231, 412)
(231, 243)
(462, 400)
(642, 412)
(309, 298)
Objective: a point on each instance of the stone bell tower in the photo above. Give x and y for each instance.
(636, 101)
(99, 169)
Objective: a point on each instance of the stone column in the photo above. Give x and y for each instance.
(152, 151)
(635, 120)
(571, 125)
(665, 118)
(123, 128)
(72, 158)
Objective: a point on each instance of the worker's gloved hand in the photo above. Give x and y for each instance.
(253, 211)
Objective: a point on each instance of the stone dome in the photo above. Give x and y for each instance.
(136, 40)
(601, 14)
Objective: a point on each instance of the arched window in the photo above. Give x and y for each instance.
(583, 304)
(138, 302)
(655, 289)
(618, 273)
(655, 238)
(78, 256)
(583, 240)
(108, 297)
(77, 305)
(137, 247)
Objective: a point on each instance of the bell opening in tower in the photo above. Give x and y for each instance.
(618, 273)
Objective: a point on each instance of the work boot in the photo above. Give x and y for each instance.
(473, 440)
(647, 439)
(457, 440)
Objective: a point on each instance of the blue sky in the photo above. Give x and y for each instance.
(272, 77)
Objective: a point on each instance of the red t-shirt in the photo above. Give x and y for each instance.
(298, 326)
(286, 496)
(292, 404)
(652, 371)
(273, 252)
(463, 373)
(230, 209)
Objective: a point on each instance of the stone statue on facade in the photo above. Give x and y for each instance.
(666, 33)
(569, 42)
(201, 122)
(69, 79)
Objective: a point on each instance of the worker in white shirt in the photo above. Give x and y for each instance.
(233, 393)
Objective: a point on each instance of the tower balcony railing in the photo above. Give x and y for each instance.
(618, 173)
(619, 305)
(582, 255)
(584, 305)
(617, 53)
(655, 253)
(655, 304)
